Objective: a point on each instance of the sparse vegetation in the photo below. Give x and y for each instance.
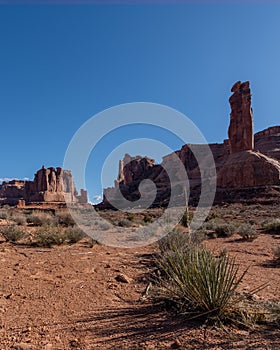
(224, 230)
(47, 236)
(272, 226)
(4, 215)
(12, 233)
(197, 283)
(64, 219)
(19, 219)
(38, 218)
(73, 234)
(247, 232)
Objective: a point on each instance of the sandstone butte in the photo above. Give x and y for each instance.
(247, 168)
(50, 187)
(247, 165)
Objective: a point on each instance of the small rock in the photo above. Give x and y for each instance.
(123, 278)
(22, 346)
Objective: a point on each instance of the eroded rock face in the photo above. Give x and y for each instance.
(49, 185)
(243, 165)
(240, 132)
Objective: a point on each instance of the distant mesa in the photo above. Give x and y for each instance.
(50, 186)
(247, 165)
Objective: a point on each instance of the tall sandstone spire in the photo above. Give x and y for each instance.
(240, 132)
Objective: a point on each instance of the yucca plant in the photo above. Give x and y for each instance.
(197, 282)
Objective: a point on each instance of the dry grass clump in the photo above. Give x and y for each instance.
(47, 236)
(19, 218)
(64, 219)
(4, 214)
(38, 218)
(272, 226)
(197, 283)
(73, 234)
(247, 232)
(12, 233)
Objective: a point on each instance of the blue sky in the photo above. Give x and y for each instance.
(62, 64)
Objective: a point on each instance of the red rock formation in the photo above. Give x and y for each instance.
(240, 131)
(241, 171)
(50, 185)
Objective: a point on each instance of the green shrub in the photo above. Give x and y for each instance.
(46, 236)
(147, 219)
(198, 283)
(4, 215)
(64, 219)
(19, 219)
(125, 223)
(12, 233)
(38, 218)
(224, 230)
(247, 232)
(73, 234)
(272, 226)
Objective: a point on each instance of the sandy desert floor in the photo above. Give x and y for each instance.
(70, 296)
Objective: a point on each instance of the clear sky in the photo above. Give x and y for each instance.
(62, 64)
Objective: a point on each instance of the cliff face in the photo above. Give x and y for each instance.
(245, 163)
(50, 185)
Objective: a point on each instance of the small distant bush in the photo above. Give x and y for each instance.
(3, 215)
(65, 219)
(124, 223)
(73, 234)
(12, 233)
(102, 224)
(272, 226)
(19, 219)
(40, 218)
(247, 232)
(131, 218)
(47, 236)
(211, 216)
(224, 230)
(147, 219)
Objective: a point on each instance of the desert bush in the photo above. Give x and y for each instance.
(73, 234)
(124, 223)
(272, 226)
(12, 233)
(64, 219)
(102, 224)
(147, 219)
(247, 232)
(19, 219)
(197, 283)
(38, 218)
(4, 215)
(224, 230)
(46, 236)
